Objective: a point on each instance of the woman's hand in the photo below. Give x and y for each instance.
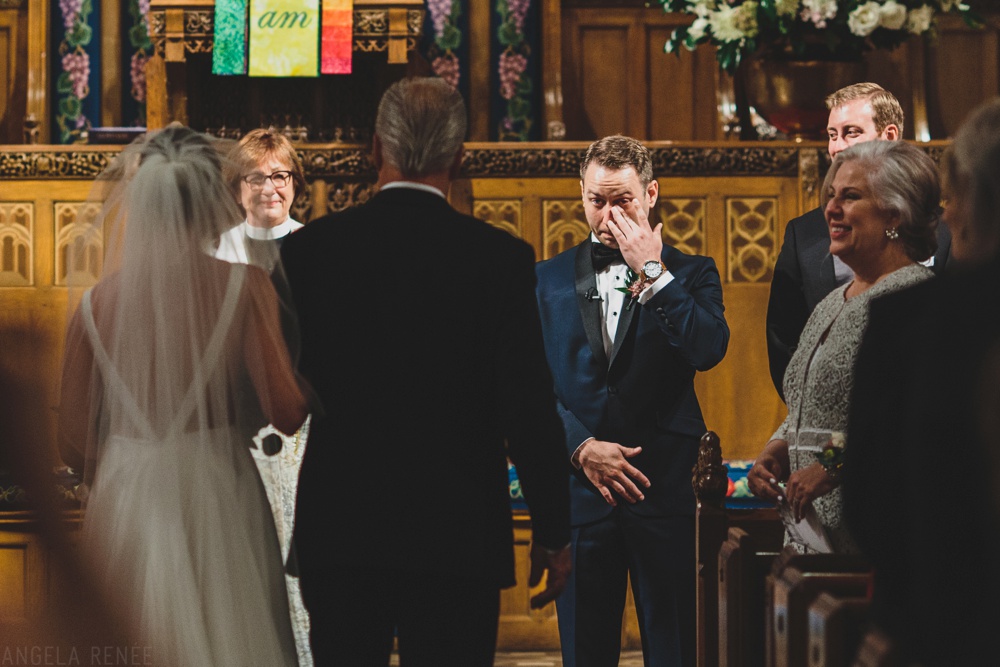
(805, 485)
(768, 470)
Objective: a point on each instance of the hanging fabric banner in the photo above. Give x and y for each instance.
(76, 69)
(338, 35)
(229, 53)
(135, 34)
(284, 37)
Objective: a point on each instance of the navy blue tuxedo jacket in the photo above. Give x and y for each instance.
(644, 394)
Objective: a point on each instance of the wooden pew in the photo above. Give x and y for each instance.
(744, 563)
(836, 625)
(796, 580)
(712, 523)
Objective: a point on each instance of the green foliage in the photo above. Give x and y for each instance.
(451, 38)
(63, 83)
(79, 35)
(70, 106)
(508, 34)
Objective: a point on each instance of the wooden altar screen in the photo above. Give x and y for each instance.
(728, 201)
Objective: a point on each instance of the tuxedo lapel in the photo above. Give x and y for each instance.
(590, 309)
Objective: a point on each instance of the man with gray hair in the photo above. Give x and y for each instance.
(805, 271)
(421, 336)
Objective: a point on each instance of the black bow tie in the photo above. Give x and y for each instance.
(603, 256)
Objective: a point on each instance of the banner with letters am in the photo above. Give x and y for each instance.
(284, 37)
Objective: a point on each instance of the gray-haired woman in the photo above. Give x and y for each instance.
(881, 209)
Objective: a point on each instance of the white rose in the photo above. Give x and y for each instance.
(863, 20)
(697, 29)
(702, 8)
(918, 21)
(787, 7)
(724, 25)
(892, 15)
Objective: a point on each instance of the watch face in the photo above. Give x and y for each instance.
(652, 269)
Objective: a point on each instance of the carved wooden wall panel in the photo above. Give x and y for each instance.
(79, 248)
(963, 69)
(683, 223)
(616, 77)
(751, 239)
(564, 225)
(17, 223)
(503, 214)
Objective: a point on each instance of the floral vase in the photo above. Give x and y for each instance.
(791, 94)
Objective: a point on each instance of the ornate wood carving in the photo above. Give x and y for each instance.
(49, 164)
(341, 195)
(752, 246)
(672, 161)
(337, 162)
(709, 476)
(17, 226)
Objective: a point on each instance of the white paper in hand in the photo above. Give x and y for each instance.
(808, 532)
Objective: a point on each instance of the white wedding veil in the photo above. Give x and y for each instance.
(161, 207)
(174, 359)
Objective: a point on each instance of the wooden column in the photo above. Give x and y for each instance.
(38, 67)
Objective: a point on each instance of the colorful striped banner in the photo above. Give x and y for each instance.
(284, 37)
(338, 34)
(229, 53)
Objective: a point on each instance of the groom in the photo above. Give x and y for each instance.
(421, 336)
(624, 367)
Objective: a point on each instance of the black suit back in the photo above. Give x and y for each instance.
(421, 338)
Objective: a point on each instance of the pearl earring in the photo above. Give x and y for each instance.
(892, 234)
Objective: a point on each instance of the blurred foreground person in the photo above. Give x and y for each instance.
(920, 482)
(173, 361)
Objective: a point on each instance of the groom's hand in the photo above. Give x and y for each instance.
(606, 466)
(557, 564)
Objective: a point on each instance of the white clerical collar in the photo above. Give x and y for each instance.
(267, 233)
(413, 186)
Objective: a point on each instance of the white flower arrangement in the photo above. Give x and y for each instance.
(806, 29)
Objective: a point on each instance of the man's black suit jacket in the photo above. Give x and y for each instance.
(421, 337)
(803, 276)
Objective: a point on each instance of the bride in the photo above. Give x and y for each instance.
(173, 361)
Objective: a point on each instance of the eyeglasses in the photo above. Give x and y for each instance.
(279, 178)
